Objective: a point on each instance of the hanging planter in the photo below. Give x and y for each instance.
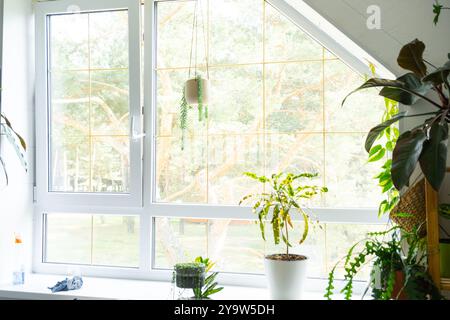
(196, 91)
(196, 88)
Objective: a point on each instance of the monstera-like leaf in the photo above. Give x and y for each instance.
(411, 58)
(407, 89)
(427, 143)
(406, 155)
(440, 76)
(433, 160)
(413, 90)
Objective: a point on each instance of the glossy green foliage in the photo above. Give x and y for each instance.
(282, 198)
(386, 251)
(426, 143)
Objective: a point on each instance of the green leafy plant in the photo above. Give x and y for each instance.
(402, 273)
(383, 146)
(189, 275)
(282, 199)
(16, 140)
(185, 108)
(427, 143)
(437, 10)
(210, 286)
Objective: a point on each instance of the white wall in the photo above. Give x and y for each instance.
(16, 203)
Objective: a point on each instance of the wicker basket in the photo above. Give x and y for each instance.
(412, 203)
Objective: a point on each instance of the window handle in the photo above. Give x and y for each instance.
(135, 133)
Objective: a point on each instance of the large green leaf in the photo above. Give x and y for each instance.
(406, 155)
(440, 75)
(411, 58)
(433, 160)
(376, 131)
(407, 87)
(412, 83)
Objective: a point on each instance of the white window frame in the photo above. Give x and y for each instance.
(147, 208)
(134, 197)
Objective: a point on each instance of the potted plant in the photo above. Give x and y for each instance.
(210, 286)
(194, 276)
(286, 272)
(195, 96)
(425, 144)
(189, 275)
(399, 271)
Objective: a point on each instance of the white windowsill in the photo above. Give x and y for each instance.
(36, 288)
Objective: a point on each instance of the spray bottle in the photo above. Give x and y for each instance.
(19, 265)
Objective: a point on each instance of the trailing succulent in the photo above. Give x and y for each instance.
(390, 259)
(427, 143)
(282, 199)
(185, 108)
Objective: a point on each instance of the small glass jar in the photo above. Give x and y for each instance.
(188, 280)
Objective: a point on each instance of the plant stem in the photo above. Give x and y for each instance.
(287, 239)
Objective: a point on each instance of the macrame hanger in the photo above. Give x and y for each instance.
(205, 43)
(194, 40)
(194, 23)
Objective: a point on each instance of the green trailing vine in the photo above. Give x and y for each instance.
(387, 141)
(185, 108)
(389, 259)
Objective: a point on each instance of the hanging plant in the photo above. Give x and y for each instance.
(196, 88)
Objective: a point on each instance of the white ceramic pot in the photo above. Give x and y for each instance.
(191, 91)
(286, 279)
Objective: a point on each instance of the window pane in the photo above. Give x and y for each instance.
(348, 175)
(89, 107)
(236, 31)
(237, 246)
(287, 42)
(107, 51)
(361, 111)
(101, 240)
(68, 238)
(294, 97)
(277, 112)
(179, 240)
(69, 38)
(181, 174)
(236, 103)
(174, 21)
(229, 157)
(116, 241)
(340, 237)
